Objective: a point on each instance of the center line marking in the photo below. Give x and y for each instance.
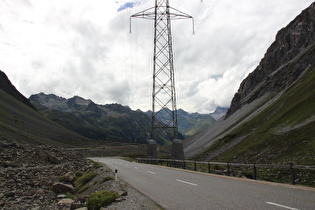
(279, 205)
(151, 172)
(193, 184)
(136, 167)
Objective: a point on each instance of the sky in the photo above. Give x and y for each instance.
(85, 48)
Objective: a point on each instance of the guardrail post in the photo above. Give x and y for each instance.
(292, 174)
(228, 169)
(184, 164)
(255, 172)
(195, 166)
(208, 167)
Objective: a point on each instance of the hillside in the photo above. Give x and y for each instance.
(271, 117)
(191, 123)
(20, 122)
(108, 123)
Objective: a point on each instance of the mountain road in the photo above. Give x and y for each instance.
(178, 189)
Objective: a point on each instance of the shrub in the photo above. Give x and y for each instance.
(81, 181)
(78, 174)
(95, 164)
(101, 199)
(107, 178)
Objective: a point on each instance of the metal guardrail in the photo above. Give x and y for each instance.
(183, 164)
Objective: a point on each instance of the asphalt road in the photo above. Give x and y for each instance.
(179, 189)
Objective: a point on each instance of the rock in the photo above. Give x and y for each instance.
(53, 159)
(120, 199)
(66, 201)
(59, 187)
(10, 194)
(69, 177)
(7, 164)
(2, 203)
(76, 205)
(123, 193)
(61, 196)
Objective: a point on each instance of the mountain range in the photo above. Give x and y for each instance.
(272, 116)
(112, 122)
(80, 121)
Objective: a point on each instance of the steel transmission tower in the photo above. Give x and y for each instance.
(163, 94)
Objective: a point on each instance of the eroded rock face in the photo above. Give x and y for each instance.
(28, 173)
(286, 59)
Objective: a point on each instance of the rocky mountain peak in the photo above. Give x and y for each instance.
(285, 60)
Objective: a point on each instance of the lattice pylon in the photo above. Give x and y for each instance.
(163, 93)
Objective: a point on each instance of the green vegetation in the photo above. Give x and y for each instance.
(96, 165)
(107, 178)
(101, 199)
(191, 126)
(82, 180)
(78, 174)
(282, 133)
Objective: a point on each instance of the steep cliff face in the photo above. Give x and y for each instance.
(284, 62)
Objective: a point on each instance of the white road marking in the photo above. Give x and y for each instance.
(151, 172)
(193, 184)
(279, 205)
(136, 167)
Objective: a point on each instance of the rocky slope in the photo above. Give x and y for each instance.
(271, 117)
(27, 173)
(38, 177)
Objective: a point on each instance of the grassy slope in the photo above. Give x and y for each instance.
(270, 136)
(193, 126)
(20, 123)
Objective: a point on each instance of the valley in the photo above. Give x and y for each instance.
(270, 121)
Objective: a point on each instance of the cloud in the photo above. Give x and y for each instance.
(126, 5)
(76, 47)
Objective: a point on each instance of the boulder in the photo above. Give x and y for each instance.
(59, 187)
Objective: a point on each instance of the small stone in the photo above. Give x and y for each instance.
(10, 194)
(123, 193)
(120, 199)
(61, 196)
(69, 176)
(66, 201)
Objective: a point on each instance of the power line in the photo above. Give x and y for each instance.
(211, 9)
